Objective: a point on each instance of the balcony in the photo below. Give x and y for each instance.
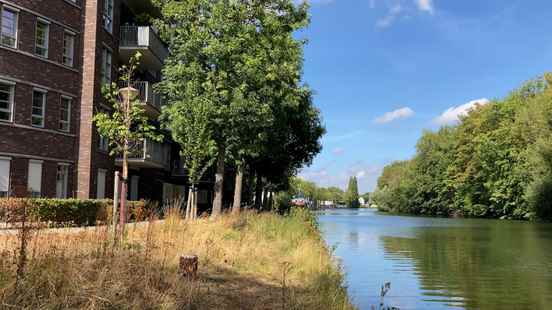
(145, 40)
(151, 101)
(149, 154)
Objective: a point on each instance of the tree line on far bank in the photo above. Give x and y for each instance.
(496, 163)
(319, 195)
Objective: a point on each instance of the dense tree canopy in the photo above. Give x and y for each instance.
(497, 162)
(242, 60)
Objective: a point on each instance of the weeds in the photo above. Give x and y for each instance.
(254, 261)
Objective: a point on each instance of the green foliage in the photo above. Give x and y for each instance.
(352, 195)
(306, 216)
(189, 126)
(496, 163)
(244, 63)
(127, 125)
(69, 212)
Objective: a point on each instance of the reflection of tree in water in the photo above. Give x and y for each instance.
(353, 239)
(498, 266)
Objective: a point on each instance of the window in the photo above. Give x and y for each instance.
(62, 177)
(106, 66)
(100, 190)
(39, 104)
(65, 114)
(103, 144)
(68, 49)
(108, 15)
(41, 38)
(34, 183)
(4, 177)
(6, 101)
(8, 20)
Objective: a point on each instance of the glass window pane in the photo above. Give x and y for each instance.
(9, 27)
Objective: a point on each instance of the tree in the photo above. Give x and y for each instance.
(189, 123)
(294, 140)
(126, 126)
(495, 163)
(219, 53)
(352, 193)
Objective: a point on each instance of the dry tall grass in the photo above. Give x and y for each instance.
(254, 261)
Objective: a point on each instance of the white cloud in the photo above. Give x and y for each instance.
(338, 151)
(391, 16)
(425, 5)
(452, 115)
(401, 113)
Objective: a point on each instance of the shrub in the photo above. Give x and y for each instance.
(70, 212)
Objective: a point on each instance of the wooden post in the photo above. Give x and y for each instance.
(188, 266)
(115, 205)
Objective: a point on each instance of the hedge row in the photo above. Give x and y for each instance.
(69, 212)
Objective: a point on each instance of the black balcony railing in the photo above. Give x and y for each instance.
(143, 37)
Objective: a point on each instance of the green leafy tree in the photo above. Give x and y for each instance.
(225, 52)
(126, 126)
(352, 193)
(495, 163)
(190, 125)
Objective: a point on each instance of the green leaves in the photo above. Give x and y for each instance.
(126, 125)
(496, 163)
(241, 61)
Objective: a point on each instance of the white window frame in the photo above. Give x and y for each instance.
(41, 21)
(108, 15)
(4, 194)
(66, 122)
(107, 66)
(64, 187)
(16, 13)
(11, 101)
(35, 192)
(43, 115)
(69, 54)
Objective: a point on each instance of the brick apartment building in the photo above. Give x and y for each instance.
(55, 55)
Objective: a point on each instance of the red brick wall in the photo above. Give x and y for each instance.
(28, 70)
(59, 10)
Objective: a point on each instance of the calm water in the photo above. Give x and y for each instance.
(442, 263)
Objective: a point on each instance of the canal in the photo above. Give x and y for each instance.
(436, 263)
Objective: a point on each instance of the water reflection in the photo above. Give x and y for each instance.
(443, 263)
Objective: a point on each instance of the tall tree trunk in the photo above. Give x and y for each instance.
(124, 183)
(238, 191)
(265, 200)
(189, 204)
(259, 192)
(219, 181)
(270, 201)
(194, 204)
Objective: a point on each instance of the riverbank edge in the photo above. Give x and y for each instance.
(460, 215)
(267, 261)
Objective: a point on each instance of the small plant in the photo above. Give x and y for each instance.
(384, 290)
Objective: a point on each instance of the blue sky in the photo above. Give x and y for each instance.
(385, 70)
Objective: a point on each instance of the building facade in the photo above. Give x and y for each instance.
(55, 55)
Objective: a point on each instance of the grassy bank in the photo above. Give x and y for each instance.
(255, 261)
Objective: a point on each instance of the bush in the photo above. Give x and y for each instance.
(69, 212)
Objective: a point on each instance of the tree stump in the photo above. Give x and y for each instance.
(188, 266)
